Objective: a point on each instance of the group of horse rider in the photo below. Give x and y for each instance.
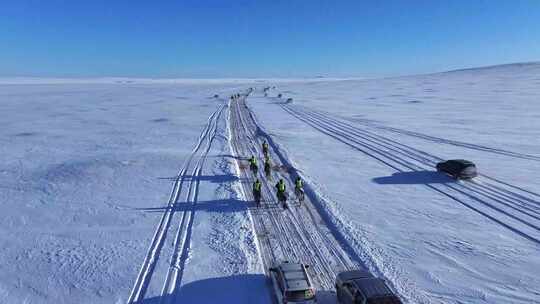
(281, 189)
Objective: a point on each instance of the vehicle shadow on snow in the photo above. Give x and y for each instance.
(244, 288)
(414, 177)
(222, 206)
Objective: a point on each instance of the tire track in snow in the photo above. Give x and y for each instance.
(440, 140)
(147, 268)
(294, 229)
(310, 235)
(516, 202)
(430, 159)
(498, 194)
(183, 234)
(311, 214)
(402, 158)
(269, 205)
(269, 246)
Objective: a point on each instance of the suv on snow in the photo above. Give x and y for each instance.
(360, 287)
(292, 283)
(458, 168)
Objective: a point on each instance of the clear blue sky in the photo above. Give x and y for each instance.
(262, 38)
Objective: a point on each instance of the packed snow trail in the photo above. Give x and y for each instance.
(181, 242)
(509, 206)
(297, 233)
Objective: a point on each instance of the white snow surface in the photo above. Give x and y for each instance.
(422, 241)
(87, 167)
(85, 173)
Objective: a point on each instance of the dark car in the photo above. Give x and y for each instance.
(360, 287)
(458, 168)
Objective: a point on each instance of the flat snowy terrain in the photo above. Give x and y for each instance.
(370, 148)
(119, 190)
(85, 173)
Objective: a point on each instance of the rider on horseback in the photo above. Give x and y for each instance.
(257, 191)
(281, 194)
(253, 164)
(299, 189)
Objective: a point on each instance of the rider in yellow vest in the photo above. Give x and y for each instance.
(298, 184)
(280, 186)
(253, 164)
(257, 191)
(299, 189)
(267, 166)
(265, 148)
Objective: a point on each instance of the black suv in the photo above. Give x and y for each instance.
(360, 287)
(458, 168)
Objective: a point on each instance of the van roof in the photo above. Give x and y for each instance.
(295, 276)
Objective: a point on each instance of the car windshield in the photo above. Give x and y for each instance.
(299, 295)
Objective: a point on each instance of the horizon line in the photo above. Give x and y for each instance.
(132, 79)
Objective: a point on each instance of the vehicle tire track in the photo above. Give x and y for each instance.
(309, 237)
(147, 268)
(431, 160)
(440, 140)
(303, 242)
(183, 235)
(512, 202)
(400, 161)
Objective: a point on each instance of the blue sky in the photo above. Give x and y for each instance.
(262, 38)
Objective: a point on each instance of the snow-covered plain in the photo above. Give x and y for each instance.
(87, 167)
(424, 242)
(85, 170)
